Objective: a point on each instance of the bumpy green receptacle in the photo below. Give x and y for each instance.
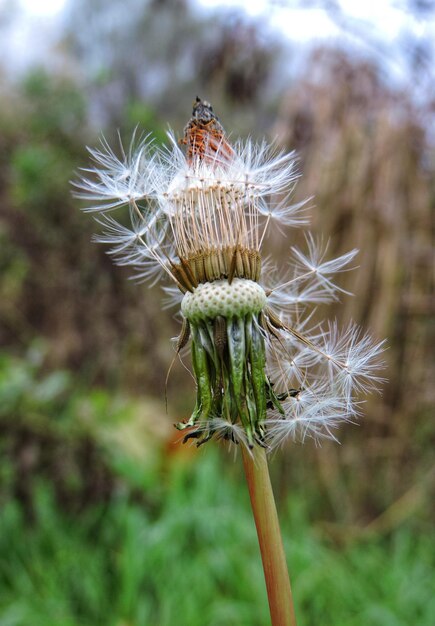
(229, 359)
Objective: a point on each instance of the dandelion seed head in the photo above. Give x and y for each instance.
(198, 215)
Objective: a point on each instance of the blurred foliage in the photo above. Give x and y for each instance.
(76, 438)
(55, 110)
(54, 282)
(188, 555)
(368, 156)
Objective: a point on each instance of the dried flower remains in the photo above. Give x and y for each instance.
(200, 216)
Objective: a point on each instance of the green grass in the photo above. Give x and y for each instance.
(187, 556)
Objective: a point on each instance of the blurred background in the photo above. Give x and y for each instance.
(106, 519)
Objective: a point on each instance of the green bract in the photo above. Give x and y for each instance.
(229, 360)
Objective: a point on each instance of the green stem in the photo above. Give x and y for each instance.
(269, 537)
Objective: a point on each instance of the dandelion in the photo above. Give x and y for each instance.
(199, 217)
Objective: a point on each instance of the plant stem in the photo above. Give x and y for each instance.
(269, 537)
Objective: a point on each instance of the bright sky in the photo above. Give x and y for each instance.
(381, 18)
(300, 24)
(42, 7)
(385, 16)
